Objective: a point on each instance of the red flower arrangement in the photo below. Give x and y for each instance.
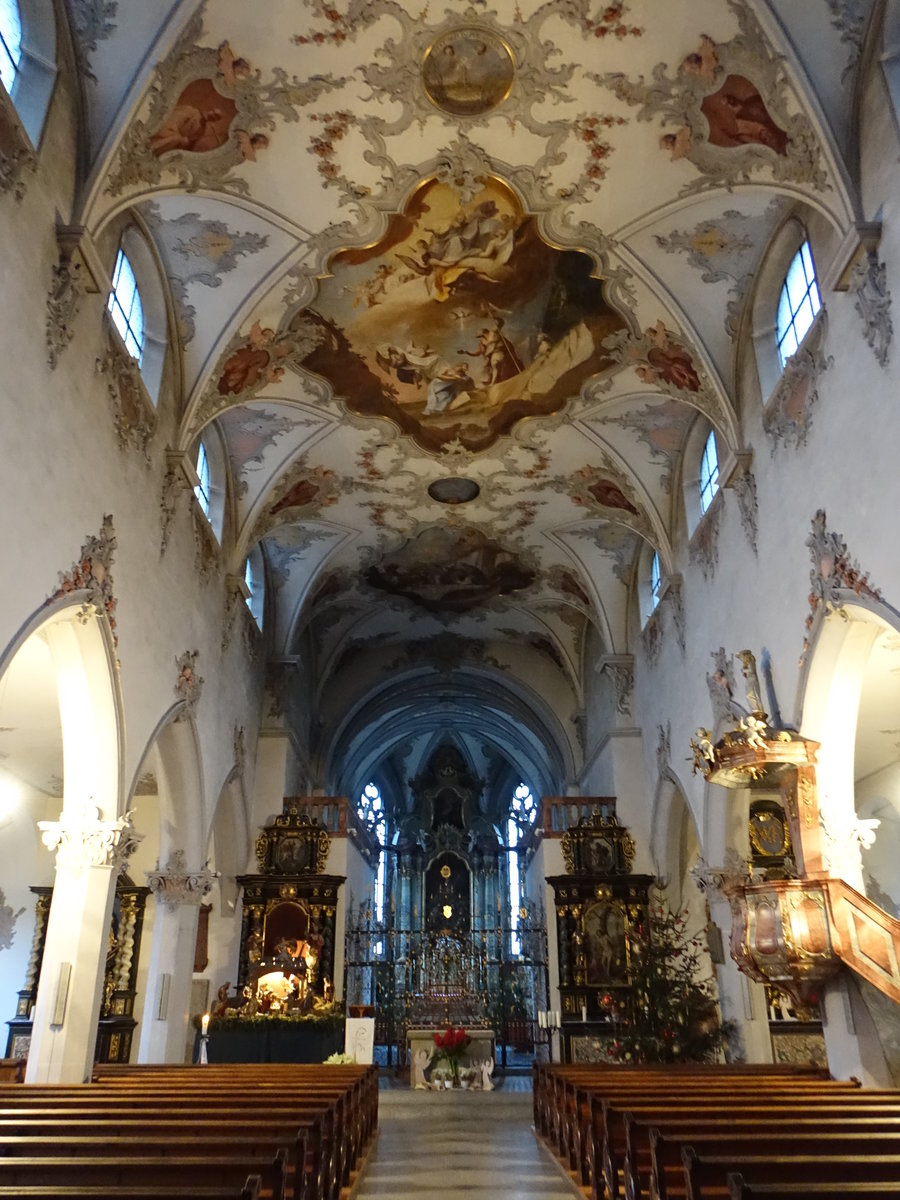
(450, 1046)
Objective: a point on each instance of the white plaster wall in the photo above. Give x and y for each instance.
(344, 858)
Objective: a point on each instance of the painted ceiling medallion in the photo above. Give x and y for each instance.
(454, 490)
(461, 321)
(451, 570)
(468, 71)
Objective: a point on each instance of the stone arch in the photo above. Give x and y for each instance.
(851, 655)
(75, 639)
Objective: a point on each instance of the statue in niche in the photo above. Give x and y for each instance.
(447, 809)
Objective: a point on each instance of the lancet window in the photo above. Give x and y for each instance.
(522, 813)
(10, 42)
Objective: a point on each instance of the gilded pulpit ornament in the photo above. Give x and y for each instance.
(754, 751)
(468, 71)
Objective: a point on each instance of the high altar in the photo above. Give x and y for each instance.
(442, 955)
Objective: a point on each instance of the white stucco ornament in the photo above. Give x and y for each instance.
(81, 839)
(176, 885)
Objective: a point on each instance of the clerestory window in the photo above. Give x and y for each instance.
(10, 42)
(125, 306)
(798, 303)
(709, 472)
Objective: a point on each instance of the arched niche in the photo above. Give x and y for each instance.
(852, 683)
(852, 706)
(59, 675)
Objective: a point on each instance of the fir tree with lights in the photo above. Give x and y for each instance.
(670, 1012)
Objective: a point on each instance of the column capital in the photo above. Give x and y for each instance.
(81, 839)
(176, 885)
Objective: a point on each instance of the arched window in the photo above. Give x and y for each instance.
(202, 489)
(798, 303)
(255, 579)
(370, 810)
(10, 42)
(709, 472)
(522, 813)
(655, 580)
(125, 307)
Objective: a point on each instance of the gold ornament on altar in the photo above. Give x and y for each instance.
(598, 845)
(292, 844)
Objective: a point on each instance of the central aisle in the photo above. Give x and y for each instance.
(474, 1144)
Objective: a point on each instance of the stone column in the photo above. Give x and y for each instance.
(90, 852)
(178, 893)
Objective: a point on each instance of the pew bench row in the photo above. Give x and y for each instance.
(693, 1134)
(273, 1132)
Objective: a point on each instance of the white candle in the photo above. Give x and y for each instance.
(204, 1024)
(584, 1012)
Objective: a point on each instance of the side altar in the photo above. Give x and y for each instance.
(284, 1009)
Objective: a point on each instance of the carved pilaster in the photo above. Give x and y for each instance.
(868, 282)
(78, 272)
(743, 483)
(175, 885)
(81, 839)
(179, 479)
(620, 669)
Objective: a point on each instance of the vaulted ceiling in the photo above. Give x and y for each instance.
(452, 285)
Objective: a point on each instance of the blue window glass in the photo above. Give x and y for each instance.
(798, 304)
(709, 472)
(655, 581)
(10, 42)
(522, 813)
(125, 307)
(202, 489)
(370, 810)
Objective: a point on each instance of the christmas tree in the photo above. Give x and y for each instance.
(670, 1013)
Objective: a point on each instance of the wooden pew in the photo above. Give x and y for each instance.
(666, 1177)
(345, 1100)
(187, 1173)
(706, 1176)
(653, 1150)
(739, 1189)
(134, 1190)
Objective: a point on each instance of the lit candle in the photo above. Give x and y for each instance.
(204, 1024)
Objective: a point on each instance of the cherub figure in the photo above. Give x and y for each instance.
(421, 1059)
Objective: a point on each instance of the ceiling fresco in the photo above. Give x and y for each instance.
(452, 287)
